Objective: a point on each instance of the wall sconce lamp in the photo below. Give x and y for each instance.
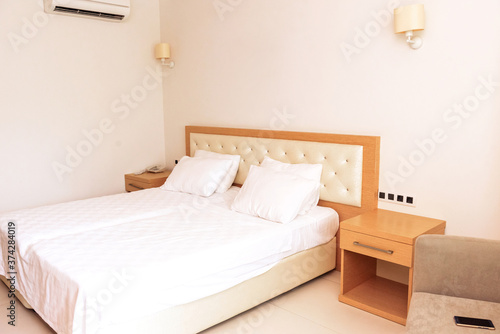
(408, 19)
(162, 52)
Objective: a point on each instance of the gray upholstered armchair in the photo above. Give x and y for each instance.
(454, 276)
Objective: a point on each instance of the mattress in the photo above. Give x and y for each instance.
(105, 257)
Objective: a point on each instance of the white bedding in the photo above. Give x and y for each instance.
(110, 258)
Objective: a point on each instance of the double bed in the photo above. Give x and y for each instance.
(167, 261)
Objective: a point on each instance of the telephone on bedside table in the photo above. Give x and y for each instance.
(152, 169)
(156, 169)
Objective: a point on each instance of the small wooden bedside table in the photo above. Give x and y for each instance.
(145, 180)
(388, 236)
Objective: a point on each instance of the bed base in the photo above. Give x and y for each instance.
(18, 295)
(204, 313)
(286, 275)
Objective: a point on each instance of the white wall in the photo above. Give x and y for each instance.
(247, 63)
(63, 76)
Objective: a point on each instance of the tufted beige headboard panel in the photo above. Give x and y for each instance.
(341, 179)
(350, 163)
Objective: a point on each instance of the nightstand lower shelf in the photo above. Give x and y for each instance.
(362, 288)
(380, 296)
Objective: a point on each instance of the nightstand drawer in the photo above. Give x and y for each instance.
(133, 185)
(379, 248)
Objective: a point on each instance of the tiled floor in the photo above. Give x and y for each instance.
(312, 308)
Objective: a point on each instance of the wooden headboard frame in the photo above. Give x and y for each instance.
(370, 169)
(370, 158)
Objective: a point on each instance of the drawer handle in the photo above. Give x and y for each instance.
(137, 187)
(374, 248)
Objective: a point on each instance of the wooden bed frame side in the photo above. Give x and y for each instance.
(371, 160)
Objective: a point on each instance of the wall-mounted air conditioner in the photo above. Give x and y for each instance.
(111, 10)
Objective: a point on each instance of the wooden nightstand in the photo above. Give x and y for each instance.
(145, 180)
(388, 236)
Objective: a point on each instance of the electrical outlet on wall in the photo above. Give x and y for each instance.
(391, 197)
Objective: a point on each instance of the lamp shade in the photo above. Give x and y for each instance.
(407, 18)
(162, 51)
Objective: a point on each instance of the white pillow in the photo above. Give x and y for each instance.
(276, 196)
(307, 171)
(229, 178)
(199, 176)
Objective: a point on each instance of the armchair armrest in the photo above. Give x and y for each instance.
(457, 266)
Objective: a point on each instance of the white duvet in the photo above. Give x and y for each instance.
(89, 264)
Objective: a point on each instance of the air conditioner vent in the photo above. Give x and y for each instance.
(108, 10)
(88, 13)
